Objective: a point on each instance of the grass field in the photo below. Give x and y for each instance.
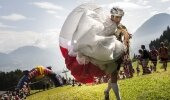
(155, 86)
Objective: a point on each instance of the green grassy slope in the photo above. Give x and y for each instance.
(155, 86)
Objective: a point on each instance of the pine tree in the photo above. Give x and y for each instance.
(165, 37)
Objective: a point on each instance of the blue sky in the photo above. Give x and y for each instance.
(38, 22)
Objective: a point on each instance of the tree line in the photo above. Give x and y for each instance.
(8, 80)
(165, 37)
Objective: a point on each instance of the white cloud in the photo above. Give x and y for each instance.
(84, 1)
(126, 0)
(154, 12)
(5, 26)
(145, 2)
(48, 39)
(54, 13)
(11, 40)
(48, 6)
(58, 17)
(51, 11)
(165, 0)
(14, 17)
(56, 30)
(128, 6)
(168, 8)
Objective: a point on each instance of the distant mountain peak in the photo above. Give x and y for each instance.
(154, 25)
(150, 30)
(28, 57)
(27, 49)
(162, 14)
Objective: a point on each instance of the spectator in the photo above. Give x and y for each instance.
(153, 58)
(163, 55)
(145, 59)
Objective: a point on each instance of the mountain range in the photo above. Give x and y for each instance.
(28, 57)
(150, 30)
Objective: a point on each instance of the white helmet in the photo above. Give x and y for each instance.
(116, 11)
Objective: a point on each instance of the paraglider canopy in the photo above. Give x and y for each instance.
(88, 43)
(39, 72)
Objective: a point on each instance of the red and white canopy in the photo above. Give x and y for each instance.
(88, 44)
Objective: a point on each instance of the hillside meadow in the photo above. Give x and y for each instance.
(155, 86)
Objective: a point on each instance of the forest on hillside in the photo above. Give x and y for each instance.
(9, 80)
(165, 37)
